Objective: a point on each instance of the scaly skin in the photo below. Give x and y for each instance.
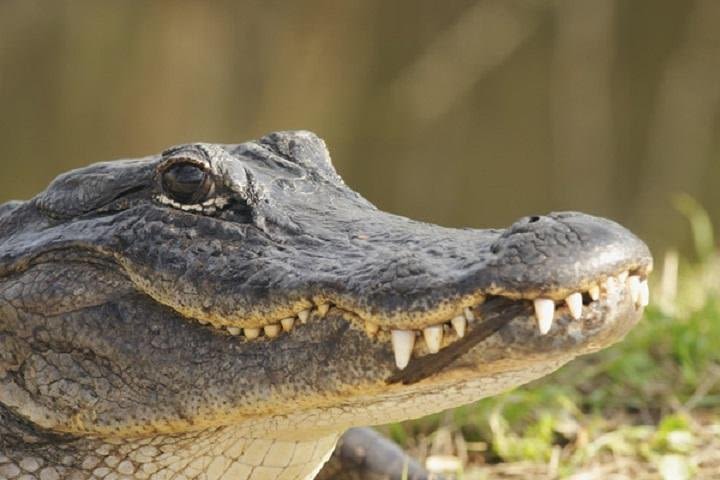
(143, 302)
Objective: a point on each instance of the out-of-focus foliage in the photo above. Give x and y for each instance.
(467, 112)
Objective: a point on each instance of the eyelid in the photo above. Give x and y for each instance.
(170, 162)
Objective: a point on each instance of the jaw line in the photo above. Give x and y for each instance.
(617, 311)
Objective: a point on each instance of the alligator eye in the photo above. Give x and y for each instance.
(187, 183)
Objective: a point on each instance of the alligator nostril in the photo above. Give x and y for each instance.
(534, 219)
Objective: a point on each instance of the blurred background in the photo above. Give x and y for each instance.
(465, 112)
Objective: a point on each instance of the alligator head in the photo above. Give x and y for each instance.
(246, 289)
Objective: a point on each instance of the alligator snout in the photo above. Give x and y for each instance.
(556, 254)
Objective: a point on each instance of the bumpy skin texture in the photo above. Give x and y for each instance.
(115, 360)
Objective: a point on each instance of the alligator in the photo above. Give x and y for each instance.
(228, 311)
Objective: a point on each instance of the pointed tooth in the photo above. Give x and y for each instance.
(403, 342)
(272, 331)
(544, 312)
(594, 292)
(459, 323)
(288, 323)
(623, 276)
(433, 337)
(251, 333)
(371, 328)
(644, 293)
(303, 316)
(633, 284)
(575, 304)
(469, 315)
(323, 309)
(234, 330)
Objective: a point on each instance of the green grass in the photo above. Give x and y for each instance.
(648, 407)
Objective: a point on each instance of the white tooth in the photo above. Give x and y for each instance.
(251, 333)
(633, 284)
(623, 276)
(234, 330)
(575, 304)
(371, 328)
(287, 323)
(323, 309)
(303, 316)
(594, 292)
(433, 337)
(272, 331)
(469, 315)
(544, 311)
(403, 342)
(644, 293)
(459, 323)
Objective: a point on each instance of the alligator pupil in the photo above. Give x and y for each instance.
(186, 183)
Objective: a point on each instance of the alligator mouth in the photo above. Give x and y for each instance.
(470, 324)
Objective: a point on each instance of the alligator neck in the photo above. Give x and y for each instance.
(221, 453)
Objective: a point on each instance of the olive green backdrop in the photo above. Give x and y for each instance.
(466, 113)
